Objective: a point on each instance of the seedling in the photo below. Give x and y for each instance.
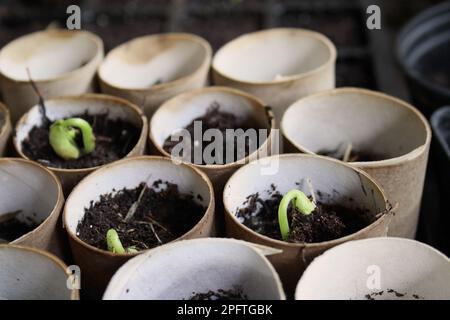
(63, 134)
(300, 201)
(115, 245)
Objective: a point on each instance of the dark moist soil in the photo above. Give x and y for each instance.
(327, 222)
(392, 294)
(233, 294)
(216, 119)
(114, 140)
(2, 120)
(355, 155)
(13, 229)
(162, 206)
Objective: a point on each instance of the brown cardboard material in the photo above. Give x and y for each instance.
(22, 183)
(279, 66)
(330, 177)
(133, 70)
(179, 111)
(201, 265)
(61, 62)
(372, 268)
(59, 108)
(375, 122)
(97, 265)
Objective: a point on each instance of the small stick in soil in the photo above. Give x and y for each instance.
(9, 215)
(153, 221)
(348, 152)
(42, 107)
(311, 189)
(156, 235)
(135, 205)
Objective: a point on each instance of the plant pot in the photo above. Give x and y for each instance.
(31, 274)
(394, 131)
(151, 69)
(202, 265)
(21, 186)
(279, 66)
(440, 122)
(93, 104)
(181, 110)
(5, 128)
(390, 271)
(98, 265)
(334, 182)
(61, 63)
(422, 51)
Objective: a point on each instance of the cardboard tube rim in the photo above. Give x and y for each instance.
(206, 90)
(208, 211)
(59, 199)
(174, 244)
(409, 156)
(6, 127)
(368, 241)
(92, 36)
(74, 295)
(386, 213)
(90, 96)
(313, 34)
(172, 36)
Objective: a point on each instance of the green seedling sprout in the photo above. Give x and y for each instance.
(62, 137)
(115, 245)
(301, 203)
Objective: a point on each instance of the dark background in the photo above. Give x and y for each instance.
(365, 57)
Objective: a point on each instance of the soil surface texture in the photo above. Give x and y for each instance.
(233, 294)
(326, 222)
(162, 214)
(221, 120)
(115, 138)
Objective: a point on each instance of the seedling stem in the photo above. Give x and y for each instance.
(300, 201)
(115, 245)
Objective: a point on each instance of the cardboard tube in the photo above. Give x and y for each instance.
(32, 274)
(5, 127)
(381, 268)
(61, 62)
(202, 265)
(64, 107)
(373, 122)
(21, 191)
(151, 69)
(279, 66)
(338, 184)
(179, 111)
(98, 265)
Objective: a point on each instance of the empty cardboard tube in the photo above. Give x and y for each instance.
(32, 274)
(151, 69)
(60, 62)
(380, 268)
(279, 66)
(372, 122)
